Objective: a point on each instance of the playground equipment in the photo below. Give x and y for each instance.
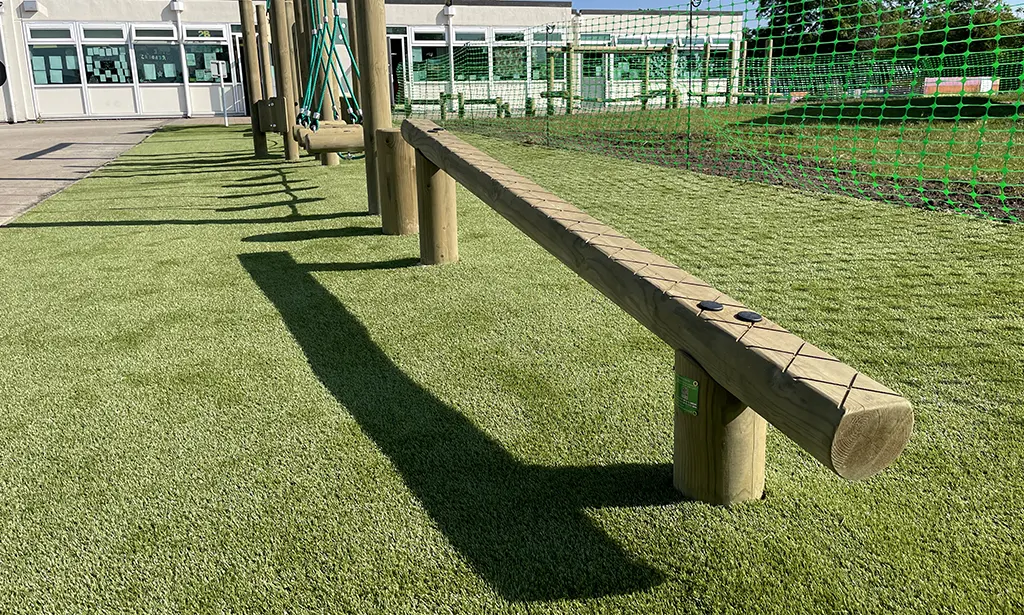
(733, 366)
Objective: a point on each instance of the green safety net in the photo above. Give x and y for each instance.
(908, 102)
(328, 31)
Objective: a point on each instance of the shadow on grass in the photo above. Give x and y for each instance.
(185, 222)
(521, 527)
(320, 233)
(891, 111)
(398, 263)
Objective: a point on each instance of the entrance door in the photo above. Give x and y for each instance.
(398, 68)
(593, 80)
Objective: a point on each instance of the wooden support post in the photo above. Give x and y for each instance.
(301, 17)
(499, 106)
(375, 87)
(285, 77)
(768, 73)
(670, 78)
(462, 105)
(645, 85)
(705, 74)
(353, 37)
(253, 82)
(443, 105)
(328, 159)
(294, 44)
(570, 73)
(396, 168)
(743, 69)
(551, 83)
(718, 454)
(435, 189)
(263, 24)
(531, 107)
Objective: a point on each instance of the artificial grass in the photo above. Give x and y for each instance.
(224, 391)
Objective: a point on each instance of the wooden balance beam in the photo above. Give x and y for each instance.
(348, 138)
(852, 424)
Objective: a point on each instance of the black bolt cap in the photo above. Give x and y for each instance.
(710, 306)
(749, 316)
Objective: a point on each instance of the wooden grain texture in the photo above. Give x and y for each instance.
(396, 170)
(353, 36)
(253, 81)
(718, 454)
(284, 73)
(340, 139)
(266, 65)
(851, 424)
(375, 87)
(435, 191)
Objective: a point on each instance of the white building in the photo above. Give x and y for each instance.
(130, 58)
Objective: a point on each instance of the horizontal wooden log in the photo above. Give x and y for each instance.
(339, 139)
(847, 421)
(299, 133)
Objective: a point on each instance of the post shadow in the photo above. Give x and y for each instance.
(521, 527)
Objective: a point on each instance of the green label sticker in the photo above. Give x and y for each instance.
(687, 394)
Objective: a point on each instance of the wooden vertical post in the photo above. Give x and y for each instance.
(768, 73)
(294, 44)
(253, 82)
(570, 73)
(327, 159)
(285, 76)
(396, 169)
(705, 75)
(719, 446)
(302, 32)
(435, 189)
(375, 87)
(353, 36)
(268, 66)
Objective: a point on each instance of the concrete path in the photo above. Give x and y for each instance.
(38, 160)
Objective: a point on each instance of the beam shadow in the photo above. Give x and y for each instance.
(521, 527)
(320, 233)
(196, 222)
(398, 263)
(291, 203)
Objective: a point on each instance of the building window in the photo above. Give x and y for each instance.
(623, 40)
(200, 59)
(158, 63)
(540, 64)
(630, 66)
(661, 42)
(103, 33)
(429, 36)
(509, 37)
(107, 64)
(470, 36)
(396, 30)
(55, 65)
(547, 37)
(154, 33)
(596, 39)
(50, 34)
(592, 65)
(204, 33)
(430, 64)
(470, 64)
(510, 63)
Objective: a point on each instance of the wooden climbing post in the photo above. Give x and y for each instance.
(396, 168)
(285, 76)
(718, 455)
(375, 88)
(294, 42)
(435, 189)
(353, 36)
(263, 24)
(253, 82)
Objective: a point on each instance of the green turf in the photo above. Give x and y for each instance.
(222, 390)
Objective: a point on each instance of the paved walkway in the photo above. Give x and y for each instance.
(38, 160)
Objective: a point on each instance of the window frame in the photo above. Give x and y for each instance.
(135, 27)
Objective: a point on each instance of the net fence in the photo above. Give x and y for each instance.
(915, 103)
